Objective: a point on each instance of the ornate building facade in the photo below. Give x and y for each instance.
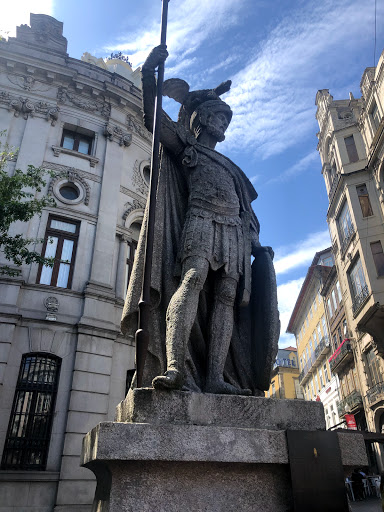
(64, 364)
(352, 151)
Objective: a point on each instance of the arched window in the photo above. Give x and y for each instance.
(29, 429)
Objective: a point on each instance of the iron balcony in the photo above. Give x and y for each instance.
(345, 355)
(375, 393)
(313, 362)
(353, 401)
(359, 300)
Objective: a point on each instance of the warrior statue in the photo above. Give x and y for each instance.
(214, 319)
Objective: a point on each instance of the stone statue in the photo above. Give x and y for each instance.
(215, 323)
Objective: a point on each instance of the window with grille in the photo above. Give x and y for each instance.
(357, 278)
(345, 223)
(60, 243)
(29, 430)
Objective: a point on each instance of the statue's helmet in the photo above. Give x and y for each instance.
(193, 101)
(202, 112)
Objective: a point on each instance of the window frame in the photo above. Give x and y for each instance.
(364, 201)
(77, 138)
(378, 258)
(61, 235)
(350, 146)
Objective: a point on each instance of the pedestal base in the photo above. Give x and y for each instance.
(172, 466)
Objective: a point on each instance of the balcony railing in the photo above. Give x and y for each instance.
(343, 354)
(353, 401)
(375, 393)
(360, 299)
(313, 361)
(348, 235)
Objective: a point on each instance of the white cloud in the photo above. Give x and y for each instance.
(17, 13)
(209, 18)
(302, 253)
(299, 167)
(287, 294)
(273, 96)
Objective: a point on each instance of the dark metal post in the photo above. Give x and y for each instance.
(142, 334)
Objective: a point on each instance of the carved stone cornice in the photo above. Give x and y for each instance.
(138, 180)
(28, 83)
(65, 169)
(137, 127)
(136, 205)
(27, 107)
(69, 96)
(117, 134)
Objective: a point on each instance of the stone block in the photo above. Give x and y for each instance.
(93, 363)
(88, 402)
(147, 405)
(85, 381)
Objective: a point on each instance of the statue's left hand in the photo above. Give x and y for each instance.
(259, 248)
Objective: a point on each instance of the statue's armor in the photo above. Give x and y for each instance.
(213, 228)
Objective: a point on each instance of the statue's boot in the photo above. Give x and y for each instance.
(224, 388)
(172, 379)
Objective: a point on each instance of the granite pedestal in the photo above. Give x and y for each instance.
(179, 451)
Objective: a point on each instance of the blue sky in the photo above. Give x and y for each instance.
(277, 54)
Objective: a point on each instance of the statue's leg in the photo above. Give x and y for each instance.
(181, 314)
(220, 337)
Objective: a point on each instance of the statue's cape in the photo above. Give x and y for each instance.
(253, 348)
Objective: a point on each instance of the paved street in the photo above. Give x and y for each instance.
(370, 505)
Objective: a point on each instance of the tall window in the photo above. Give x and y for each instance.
(325, 372)
(378, 257)
(345, 223)
(132, 246)
(334, 302)
(357, 279)
(351, 148)
(375, 116)
(60, 243)
(338, 291)
(329, 307)
(373, 367)
(29, 429)
(365, 203)
(324, 326)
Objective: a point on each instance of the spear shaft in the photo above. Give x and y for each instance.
(142, 335)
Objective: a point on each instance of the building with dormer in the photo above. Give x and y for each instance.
(64, 364)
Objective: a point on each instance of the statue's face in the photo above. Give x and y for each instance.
(217, 123)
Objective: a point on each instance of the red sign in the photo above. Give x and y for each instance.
(317, 398)
(337, 351)
(351, 422)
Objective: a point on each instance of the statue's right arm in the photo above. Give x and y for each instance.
(168, 135)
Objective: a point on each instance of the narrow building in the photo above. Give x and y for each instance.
(308, 323)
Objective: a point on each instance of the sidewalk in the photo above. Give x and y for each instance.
(368, 505)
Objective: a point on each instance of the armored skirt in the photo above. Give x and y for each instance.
(215, 237)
